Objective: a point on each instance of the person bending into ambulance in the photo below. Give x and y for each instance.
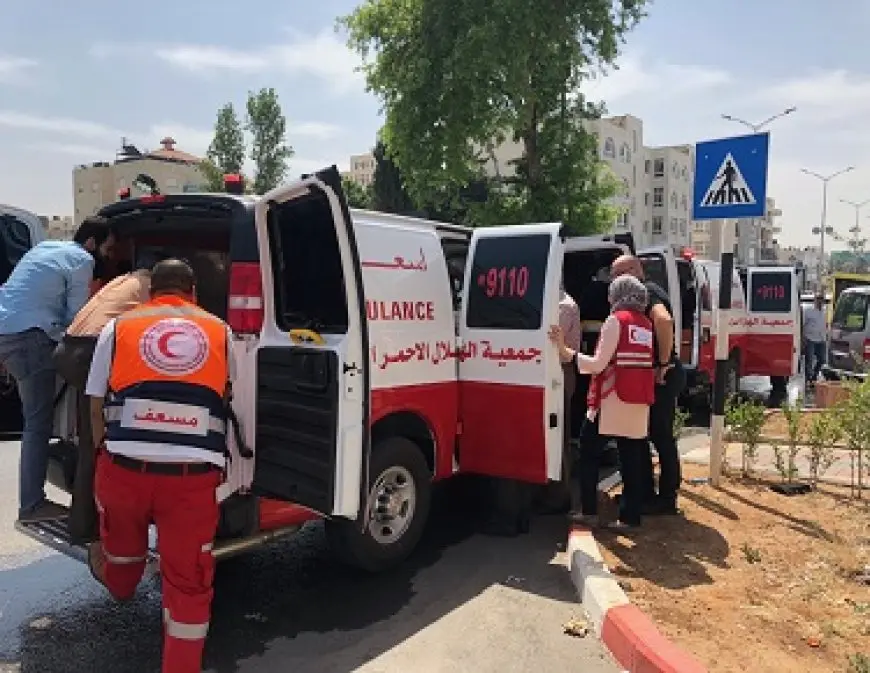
(620, 395)
(160, 379)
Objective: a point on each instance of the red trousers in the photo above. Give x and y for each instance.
(185, 511)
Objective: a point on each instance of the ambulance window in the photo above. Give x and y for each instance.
(770, 292)
(655, 270)
(851, 312)
(507, 282)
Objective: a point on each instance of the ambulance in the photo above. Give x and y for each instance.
(20, 230)
(764, 321)
(378, 354)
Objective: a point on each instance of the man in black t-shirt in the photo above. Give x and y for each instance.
(670, 380)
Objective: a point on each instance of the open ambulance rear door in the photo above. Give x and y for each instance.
(312, 405)
(510, 378)
(660, 267)
(772, 337)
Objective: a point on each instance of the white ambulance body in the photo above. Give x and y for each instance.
(377, 354)
(764, 320)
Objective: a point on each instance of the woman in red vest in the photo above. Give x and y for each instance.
(620, 395)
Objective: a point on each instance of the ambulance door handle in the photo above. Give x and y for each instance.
(349, 367)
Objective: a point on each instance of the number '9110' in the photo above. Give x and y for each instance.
(505, 281)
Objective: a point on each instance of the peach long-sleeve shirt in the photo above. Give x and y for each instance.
(114, 298)
(618, 418)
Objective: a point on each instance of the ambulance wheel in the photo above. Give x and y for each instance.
(398, 506)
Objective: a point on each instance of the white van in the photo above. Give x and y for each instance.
(764, 321)
(378, 354)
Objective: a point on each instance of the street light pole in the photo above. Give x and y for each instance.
(825, 180)
(755, 129)
(857, 205)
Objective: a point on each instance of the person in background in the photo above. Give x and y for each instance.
(72, 358)
(159, 385)
(670, 381)
(620, 395)
(815, 336)
(48, 286)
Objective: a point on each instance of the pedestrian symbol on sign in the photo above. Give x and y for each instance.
(728, 186)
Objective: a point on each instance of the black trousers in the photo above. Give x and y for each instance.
(631, 466)
(661, 435)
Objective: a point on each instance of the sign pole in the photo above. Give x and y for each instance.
(722, 329)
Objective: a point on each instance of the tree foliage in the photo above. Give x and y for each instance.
(356, 194)
(457, 79)
(389, 194)
(267, 125)
(226, 153)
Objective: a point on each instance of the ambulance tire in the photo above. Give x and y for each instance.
(356, 547)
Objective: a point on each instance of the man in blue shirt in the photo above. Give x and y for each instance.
(37, 303)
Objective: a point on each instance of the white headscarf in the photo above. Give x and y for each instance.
(627, 293)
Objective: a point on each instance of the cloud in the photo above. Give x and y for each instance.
(637, 75)
(317, 130)
(82, 153)
(58, 125)
(323, 56)
(13, 67)
(825, 96)
(300, 165)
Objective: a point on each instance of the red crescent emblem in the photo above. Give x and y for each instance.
(163, 344)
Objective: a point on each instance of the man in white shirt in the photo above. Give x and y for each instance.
(814, 337)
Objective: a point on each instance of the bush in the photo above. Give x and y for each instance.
(823, 432)
(786, 463)
(853, 417)
(745, 419)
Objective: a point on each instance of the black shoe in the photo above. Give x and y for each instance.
(661, 507)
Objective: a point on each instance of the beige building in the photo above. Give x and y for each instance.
(755, 240)
(362, 169)
(58, 227)
(98, 184)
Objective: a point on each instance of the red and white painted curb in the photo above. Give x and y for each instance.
(632, 638)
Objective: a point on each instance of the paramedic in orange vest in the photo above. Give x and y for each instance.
(160, 380)
(620, 394)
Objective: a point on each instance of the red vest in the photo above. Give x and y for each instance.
(630, 373)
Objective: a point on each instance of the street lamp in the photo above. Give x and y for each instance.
(825, 180)
(856, 242)
(755, 129)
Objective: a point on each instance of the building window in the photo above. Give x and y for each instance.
(610, 148)
(684, 202)
(646, 166)
(626, 185)
(699, 226)
(682, 227)
(685, 173)
(633, 208)
(657, 224)
(676, 170)
(646, 226)
(646, 199)
(674, 200)
(634, 175)
(623, 220)
(625, 153)
(673, 225)
(658, 197)
(659, 168)
(634, 140)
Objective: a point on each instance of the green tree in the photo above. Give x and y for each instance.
(226, 153)
(388, 187)
(456, 79)
(268, 127)
(356, 194)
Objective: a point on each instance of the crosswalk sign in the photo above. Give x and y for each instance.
(731, 177)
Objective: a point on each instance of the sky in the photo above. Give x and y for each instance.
(77, 77)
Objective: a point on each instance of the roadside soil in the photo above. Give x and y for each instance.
(749, 580)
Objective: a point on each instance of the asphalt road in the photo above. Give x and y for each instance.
(464, 602)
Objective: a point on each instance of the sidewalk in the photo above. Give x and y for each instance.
(839, 473)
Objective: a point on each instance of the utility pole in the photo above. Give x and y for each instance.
(822, 230)
(756, 128)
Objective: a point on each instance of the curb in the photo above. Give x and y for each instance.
(632, 638)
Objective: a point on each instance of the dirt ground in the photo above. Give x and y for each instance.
(775, 425)
(752, 581)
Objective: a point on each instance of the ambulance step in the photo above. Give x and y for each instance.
(53, 533)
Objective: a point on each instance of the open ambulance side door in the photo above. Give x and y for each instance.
(660, 267)
(312, 380)
(772, 342)
(510, 378)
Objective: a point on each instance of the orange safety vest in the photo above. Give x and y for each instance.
(169, 375)
(630, 373)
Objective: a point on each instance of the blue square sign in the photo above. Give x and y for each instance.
(731, 177)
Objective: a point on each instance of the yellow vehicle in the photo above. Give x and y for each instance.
(839, 281)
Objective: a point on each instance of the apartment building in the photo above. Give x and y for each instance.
(97, 184)
(806, 257)
(362, 169)
(755, 240)
(58, 227)
(657, 181)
